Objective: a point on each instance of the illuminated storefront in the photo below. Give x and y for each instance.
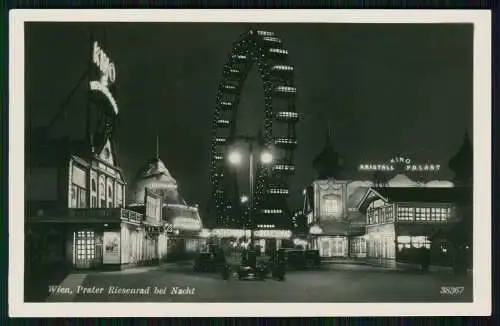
(266, 240)
(326, 210)
(401, 221)
(338, 229)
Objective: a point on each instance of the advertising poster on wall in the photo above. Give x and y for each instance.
(154, 205)
(111, 254)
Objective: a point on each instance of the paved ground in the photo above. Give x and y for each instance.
(332, 283)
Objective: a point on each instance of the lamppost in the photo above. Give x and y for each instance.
(235, 159)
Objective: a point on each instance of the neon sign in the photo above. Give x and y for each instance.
(108, 74)
(400, 163)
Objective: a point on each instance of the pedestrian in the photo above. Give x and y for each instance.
(424, 257)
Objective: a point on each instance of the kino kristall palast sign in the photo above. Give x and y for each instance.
(108, 75)
(399, 163)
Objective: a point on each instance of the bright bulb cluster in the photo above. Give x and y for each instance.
(275, 234)
(286, 89)
(223, 122)
(282, 68)
(265, 33)
(287, 114)
(230, 87)
(284, 167)
(272, 211)
(239, 56)
(278, 51)
(285, 141)
(265, 226)
(278, 191)
(271, 39)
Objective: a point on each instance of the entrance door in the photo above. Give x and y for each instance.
(338, 247)
(325, 248)
(85, 248)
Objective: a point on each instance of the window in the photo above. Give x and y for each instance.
(331, 206)
(93, 193)
(385, 214)
(405, 213)
(407, 242)
(358, 246)
(119, 195)
(85, 245)
(102, 192)
(78, 191)
(422, 214)
(440, 214)
(110, 196)
(78, 197)
(374, 215)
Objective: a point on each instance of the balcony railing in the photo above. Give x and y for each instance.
(131, 216)
(90, 214)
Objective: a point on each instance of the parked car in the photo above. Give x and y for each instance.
(209, 262)
(297, 259)
(250, 269)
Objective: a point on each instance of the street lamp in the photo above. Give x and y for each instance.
(235, 158)
(265, 158)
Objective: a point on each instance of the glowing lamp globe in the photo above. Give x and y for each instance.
(266, 157)
(234, 158)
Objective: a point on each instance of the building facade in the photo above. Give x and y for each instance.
(401, 221)
(391, 220)
(76, 212)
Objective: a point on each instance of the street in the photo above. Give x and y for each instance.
(331, 283)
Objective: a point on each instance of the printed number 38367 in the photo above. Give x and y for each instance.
(452, 290)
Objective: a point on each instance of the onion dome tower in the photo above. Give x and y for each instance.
(328, 163)
(462, 163)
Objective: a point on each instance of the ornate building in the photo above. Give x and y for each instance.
(350, 218)
(184, 240)
(75, 206)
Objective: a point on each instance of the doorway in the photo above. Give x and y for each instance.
(85, 249)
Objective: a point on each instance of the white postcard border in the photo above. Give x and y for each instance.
(482, 165)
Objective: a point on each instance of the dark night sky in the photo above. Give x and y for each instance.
(387, 88)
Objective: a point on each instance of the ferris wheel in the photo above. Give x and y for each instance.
(264, 50)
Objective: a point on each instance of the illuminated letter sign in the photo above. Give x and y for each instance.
(108, 75)
(400, 163)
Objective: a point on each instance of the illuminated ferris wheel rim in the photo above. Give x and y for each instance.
(264, 49)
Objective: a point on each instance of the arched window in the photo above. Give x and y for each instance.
(102, 192)
(110, 196)
(93, 193)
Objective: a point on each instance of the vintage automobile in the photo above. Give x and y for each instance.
(302, 259)
(250, 269)
(214, 261)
